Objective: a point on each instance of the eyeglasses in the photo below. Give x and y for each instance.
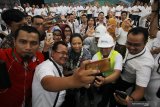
(56, 34)
(62, 53)
(158, 69)
(134, 44)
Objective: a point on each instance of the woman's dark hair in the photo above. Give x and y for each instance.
(93, 24)
(63, 27)
(76, 35)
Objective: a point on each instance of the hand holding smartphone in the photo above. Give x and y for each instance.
(102, 65)
(122, 94)
(49, 35)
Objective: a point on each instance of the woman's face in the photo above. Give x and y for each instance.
(91, 22)
(76, 44)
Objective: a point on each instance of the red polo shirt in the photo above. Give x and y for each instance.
(21, 78)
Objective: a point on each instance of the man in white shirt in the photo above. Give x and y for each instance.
(137, 67)
(73, 23)
(28, 9)
(49, 84)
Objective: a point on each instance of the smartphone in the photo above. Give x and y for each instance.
(4, 76)
(49, 36)
(159, 14)
(102, 65)
(122, 94)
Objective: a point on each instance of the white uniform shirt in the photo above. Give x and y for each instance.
(155, 43)
(41, 97)
(154, 85)
(138, 70)
(29, 10)
(135, 8)
(118, 10)
(118, 61)
(121, 36)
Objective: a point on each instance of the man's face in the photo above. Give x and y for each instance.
(123, 16)
(135, 43)
(84, 19)
(38, 24)
(26, 44)
(60, 56)
(105, 51)
(72, 18)
(101, 17)
(16, 25)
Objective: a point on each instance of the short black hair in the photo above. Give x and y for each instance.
(12, 15)
(37, 16)
(139, 30)
(84, 15)
(100, 13)
(76, 35)
(56, 44)
(28, 29)
(124, 12)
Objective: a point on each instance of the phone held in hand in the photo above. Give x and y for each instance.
(102, 65)
(49, 35)
(122, 94)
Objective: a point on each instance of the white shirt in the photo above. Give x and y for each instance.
(154, 85)
(118, 61)
(105, 10)
(155, 43)
(118, 10)
(37, 11)
(135, 8)
(121, 36)
(19, 8)
(138, 70)
(29, 10)
(41, 97)
(76, 26)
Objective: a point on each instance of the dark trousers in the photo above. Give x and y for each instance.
(107, 95)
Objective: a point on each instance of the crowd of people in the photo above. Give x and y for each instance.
(44, 52)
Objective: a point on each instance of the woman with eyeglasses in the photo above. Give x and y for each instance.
(66, 34)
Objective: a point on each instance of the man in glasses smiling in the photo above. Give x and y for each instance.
(49, 84)
(137, 67)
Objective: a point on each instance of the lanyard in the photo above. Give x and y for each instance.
(79, 60)
(134, 57)
(60, 74)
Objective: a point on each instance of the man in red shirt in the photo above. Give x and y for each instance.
(20, 63)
